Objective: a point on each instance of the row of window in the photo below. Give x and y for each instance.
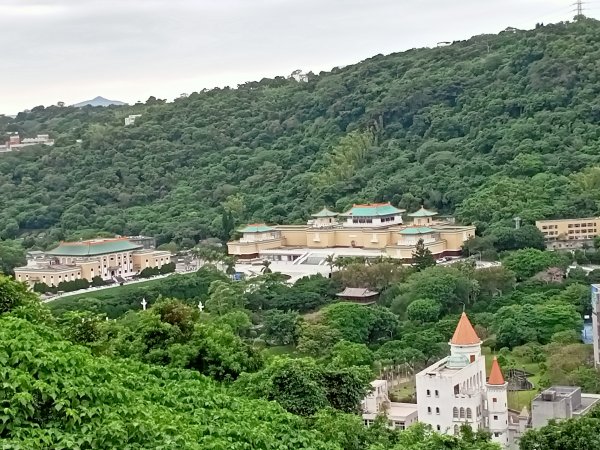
(393, 423)
(583, 231)
(437, 393)
(577, 225)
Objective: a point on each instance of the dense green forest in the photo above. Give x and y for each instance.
(269, 365)
(487, 128)
(171, 377)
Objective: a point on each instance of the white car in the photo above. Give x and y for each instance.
(441, 260)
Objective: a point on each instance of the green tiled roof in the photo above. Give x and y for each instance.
(92, 248)
(423, 213)
(417, 230)
(256, 228)
(325, 213)
(376, 209)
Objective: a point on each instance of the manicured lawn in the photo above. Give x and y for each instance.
(110, 292)
(278, 350)
(403, 391)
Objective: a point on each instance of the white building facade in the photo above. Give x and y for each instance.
(377, 403)
(455, 390)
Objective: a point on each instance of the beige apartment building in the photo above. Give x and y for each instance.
(110, 259)
(568, 233)
(377, 229)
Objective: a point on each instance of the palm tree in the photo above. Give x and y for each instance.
(330, 261)
(229, 263)
(266, 269)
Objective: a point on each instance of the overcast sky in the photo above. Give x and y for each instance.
(74, 50)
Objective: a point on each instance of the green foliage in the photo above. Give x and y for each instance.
(12, 255)
(303, 387)
(17, 300)
(493, 127)
(424, 310)
(359, 323)
(581, 433)
(519, 324)
(171, 333)
(509, 238)
(347, 354)
(527, 262)
(377, 276)
(422, 258)
(56, 395)
(223, 298)
(317, 339)
(446, 285)
(343, 161)
(149, 272)
(74, 285)
(307, 294)
(280, 327)
(97, 281)
(114, 302)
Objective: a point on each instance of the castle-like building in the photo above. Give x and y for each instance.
(456, 391)
(378, 229)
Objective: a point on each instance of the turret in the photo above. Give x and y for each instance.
(497, 405)
(465, 341)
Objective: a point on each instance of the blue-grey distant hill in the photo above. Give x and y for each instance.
(99, 101)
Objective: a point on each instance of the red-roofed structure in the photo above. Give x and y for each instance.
(496, 378)
(465, 334)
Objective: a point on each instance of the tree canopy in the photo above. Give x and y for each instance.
(492, 127)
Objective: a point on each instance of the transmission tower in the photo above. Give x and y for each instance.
(579, 5)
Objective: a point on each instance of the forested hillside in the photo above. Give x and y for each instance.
(492, 127)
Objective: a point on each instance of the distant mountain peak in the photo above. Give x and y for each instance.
(99, 101)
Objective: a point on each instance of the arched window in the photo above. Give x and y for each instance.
(462, 413)
(437, 410)
(456, 430)
(455, 412)
(469, 413)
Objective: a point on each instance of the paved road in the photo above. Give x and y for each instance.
(127, 283)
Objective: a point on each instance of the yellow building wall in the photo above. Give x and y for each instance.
(295, 237)
(251, 248)
(322, 238)
(569, 229)
(90, 269)
(455, 238)
(450, 239)
(142, 261)
(50, 277)
(405, 252)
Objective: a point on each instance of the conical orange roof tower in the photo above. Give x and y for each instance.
(496, 378)
(465, 333)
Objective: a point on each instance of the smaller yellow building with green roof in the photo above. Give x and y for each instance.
(374, 227)
(108, 258)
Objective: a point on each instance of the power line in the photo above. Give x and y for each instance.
(579, 7)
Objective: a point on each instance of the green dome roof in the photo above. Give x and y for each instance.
(256, 228)
(423, 213)
(93, 247)
(325, 212)
(373, 210)
(417, 230)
